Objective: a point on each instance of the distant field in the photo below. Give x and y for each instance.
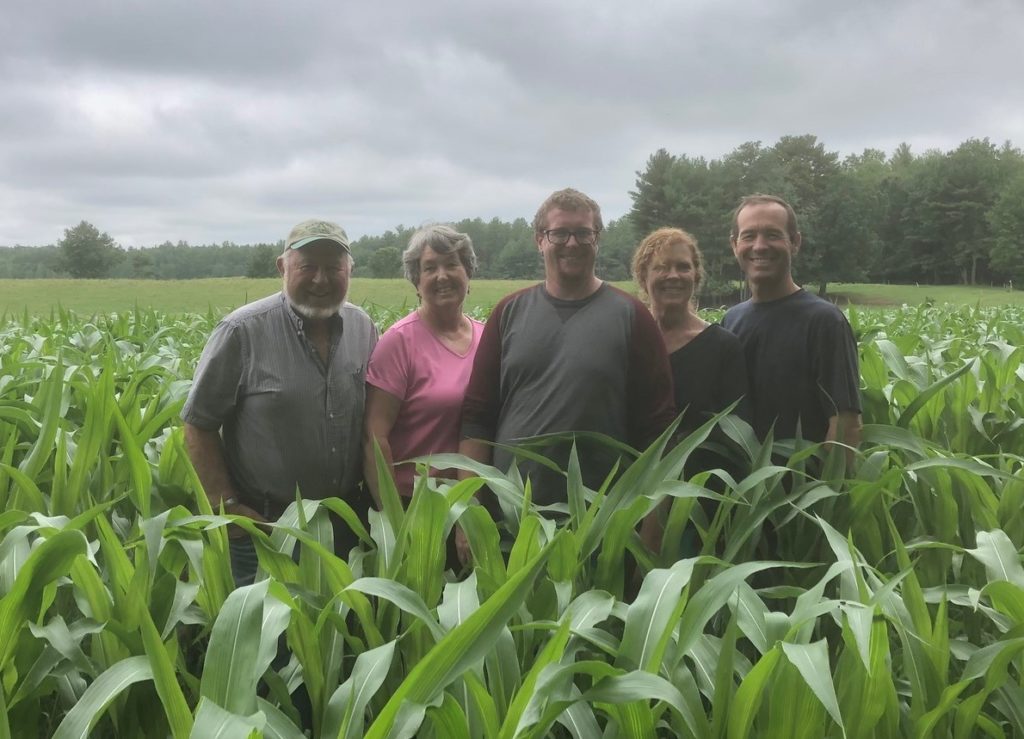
(41, 297)
(883, 295)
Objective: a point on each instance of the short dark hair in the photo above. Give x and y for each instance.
(570, 200)
(792, 230)
(443, 239)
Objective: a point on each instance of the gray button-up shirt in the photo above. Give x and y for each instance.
(287, 418)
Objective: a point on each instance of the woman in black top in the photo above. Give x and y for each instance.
(708, 367)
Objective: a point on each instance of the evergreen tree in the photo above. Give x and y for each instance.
(262, 261)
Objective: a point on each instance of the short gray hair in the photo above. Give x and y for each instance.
(348, 256)
(443, 239)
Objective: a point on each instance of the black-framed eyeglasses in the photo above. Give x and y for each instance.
(561, 236)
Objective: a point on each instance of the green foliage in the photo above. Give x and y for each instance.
(85, 252)
(388, 300)
(939, 217)
(30, 262)
(141, 265)
(1006, 219)
(263, 262)
(890, 604)
(936, 217)
(386, 262)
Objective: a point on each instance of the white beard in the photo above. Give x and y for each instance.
(311, 312)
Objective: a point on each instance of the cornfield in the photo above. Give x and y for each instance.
(886, 602)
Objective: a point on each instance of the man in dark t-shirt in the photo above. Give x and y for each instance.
(800, 351)
(572, 353)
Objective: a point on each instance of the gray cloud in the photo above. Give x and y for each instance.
(233, 120)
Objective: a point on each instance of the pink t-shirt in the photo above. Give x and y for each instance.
(430, 379)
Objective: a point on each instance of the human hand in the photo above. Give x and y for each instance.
(462, 546)
(651, 531)
(240, 509)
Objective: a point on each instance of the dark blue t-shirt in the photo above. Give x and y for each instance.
(802, 366)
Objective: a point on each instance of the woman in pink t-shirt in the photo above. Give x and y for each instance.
(419, 370)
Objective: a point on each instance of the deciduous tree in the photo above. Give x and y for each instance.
(85, 252)
(1007, 222)
(386, 262)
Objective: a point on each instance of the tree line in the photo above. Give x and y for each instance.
(504, 250)
(952, 217)
(935, 218)
(86, 252)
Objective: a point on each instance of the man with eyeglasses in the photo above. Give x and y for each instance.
(572, 353)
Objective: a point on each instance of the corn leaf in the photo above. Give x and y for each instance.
(461, 648)
(78, 721)
(1000, 557)
(50, 560)
(811, 660)
(213, 722)
(229, 675)
(345, 709)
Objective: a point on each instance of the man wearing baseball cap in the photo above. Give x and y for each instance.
(277, 399)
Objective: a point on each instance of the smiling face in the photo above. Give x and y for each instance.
(316, 278)
(765, 251)
(443, 280)
(569, 266)
(671, 278)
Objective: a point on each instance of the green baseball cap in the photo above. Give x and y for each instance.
(314, 230)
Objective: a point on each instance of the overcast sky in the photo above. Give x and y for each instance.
(233, 120)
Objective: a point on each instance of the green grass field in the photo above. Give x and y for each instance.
(41, 297)
(896, 295)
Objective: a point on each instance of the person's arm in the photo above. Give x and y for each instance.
(840, 376)
(650, 403)
(481, 452)
(650, 399)
(476, 450)
(481, 404)
(652, 526)
(381, 411)
(212, 399)
(388, 378)
(480, 409)
(206, 450)
(845, 428)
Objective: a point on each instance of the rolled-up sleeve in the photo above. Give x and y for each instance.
(218, 379)
(389, 366)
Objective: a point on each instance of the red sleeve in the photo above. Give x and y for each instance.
(649, 380)
(482, 403)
